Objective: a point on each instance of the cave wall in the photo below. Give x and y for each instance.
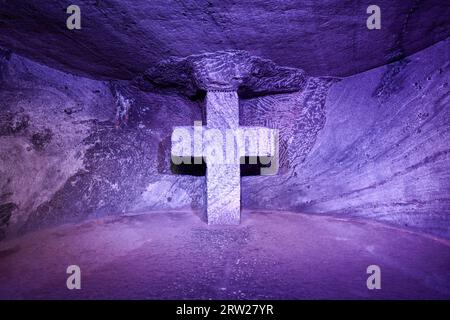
(69, 153)
(44, 117)
(383, 152)
(373, 145)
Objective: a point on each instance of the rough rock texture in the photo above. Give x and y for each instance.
(372, 145)
(383, 151)
(67, 154)
(43, 120)
(120, 39)
(229, 70)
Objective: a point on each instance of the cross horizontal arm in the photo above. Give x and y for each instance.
(221, 145)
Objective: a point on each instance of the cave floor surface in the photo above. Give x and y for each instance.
(270, 255)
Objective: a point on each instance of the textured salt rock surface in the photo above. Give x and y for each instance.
(372, 145)
(383, 151)
(121, 38)
(271, 255)
(44, 119)
(225, 70)
(222, 75)
(64, 159)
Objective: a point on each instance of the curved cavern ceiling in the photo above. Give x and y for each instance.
(120, 39)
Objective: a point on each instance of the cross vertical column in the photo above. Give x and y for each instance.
(223, 180)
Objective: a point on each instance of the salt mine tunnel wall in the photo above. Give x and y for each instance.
(373, 145)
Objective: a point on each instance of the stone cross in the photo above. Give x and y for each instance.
(224, 146)
(222, 143)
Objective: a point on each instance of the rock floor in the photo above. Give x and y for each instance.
(271, 255)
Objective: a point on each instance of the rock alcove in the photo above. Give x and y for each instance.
(86, 118)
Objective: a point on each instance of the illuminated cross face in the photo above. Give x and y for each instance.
(224, 146)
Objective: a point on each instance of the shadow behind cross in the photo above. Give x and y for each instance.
(193, 169)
